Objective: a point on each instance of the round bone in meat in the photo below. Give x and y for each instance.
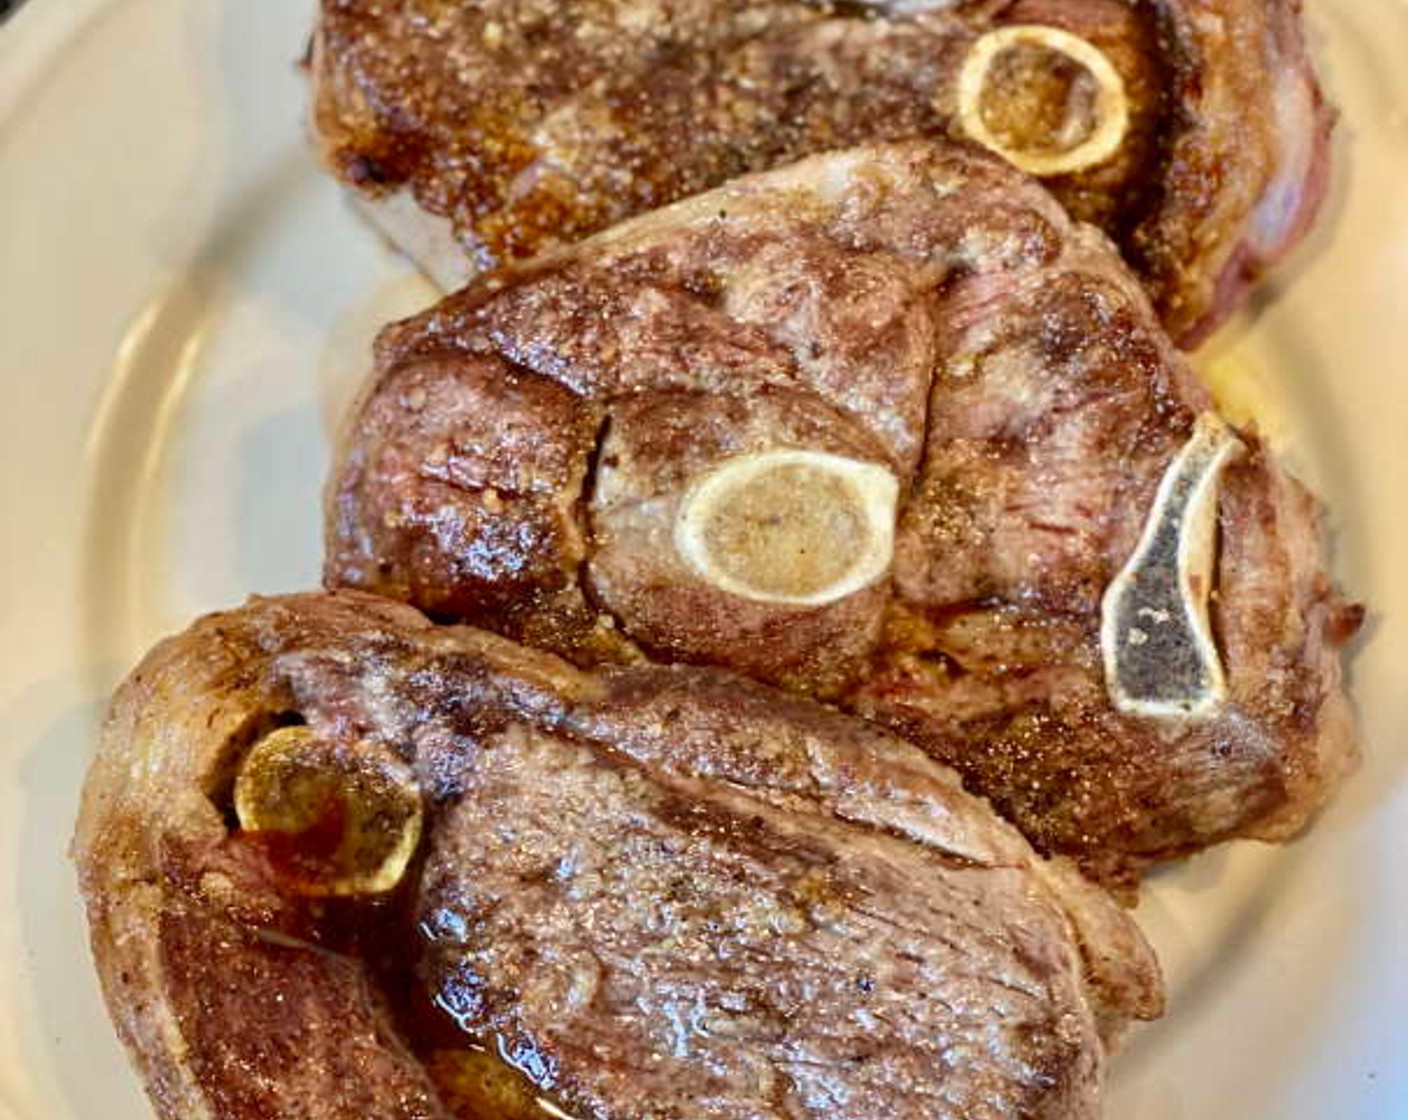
(790, 526)
(340, 818)
(1089, 134)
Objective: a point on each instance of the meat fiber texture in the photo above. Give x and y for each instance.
(476, 134)
(660, 892)
(523, 450)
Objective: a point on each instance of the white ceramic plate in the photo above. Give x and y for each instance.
(184, 304)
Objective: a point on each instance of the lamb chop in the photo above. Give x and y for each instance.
(1192, 131)
(341, 863)
(885, 427)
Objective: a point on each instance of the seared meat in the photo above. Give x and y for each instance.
(481, 133)
(570, 453)
(652, 892)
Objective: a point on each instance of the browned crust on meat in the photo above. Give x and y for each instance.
(225, 986)
(523, 125)
(1248, 168)
(920, 307)
(223, 1007)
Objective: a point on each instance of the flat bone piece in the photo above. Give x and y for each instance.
(1111, 102)
(357, 806)
(792, 526)
(1160, 657)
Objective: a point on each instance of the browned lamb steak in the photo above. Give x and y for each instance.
(885, 427)
(341, 863)
(1192, 131)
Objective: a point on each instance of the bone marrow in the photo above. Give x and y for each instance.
(1046, 100)
(792, 526)
(1160, 657)
(341, 818)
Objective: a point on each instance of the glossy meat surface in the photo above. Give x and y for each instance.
(482, 133)
(653, 892)
(525, 449)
